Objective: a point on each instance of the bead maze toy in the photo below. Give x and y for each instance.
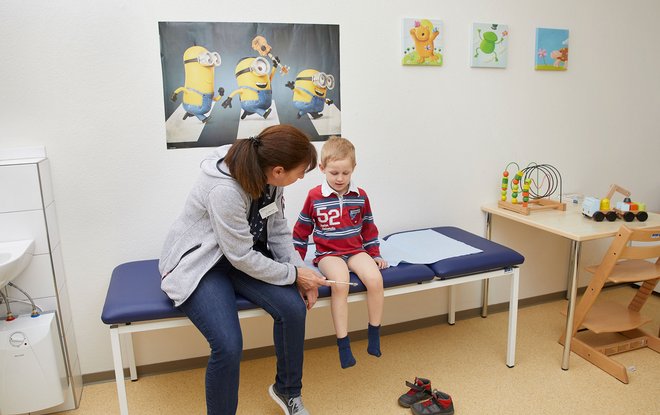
(599, 209)
(535, 183)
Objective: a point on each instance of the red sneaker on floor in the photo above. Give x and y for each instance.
(420, 390)
(439, 404)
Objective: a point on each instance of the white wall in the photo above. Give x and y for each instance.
(84, 79)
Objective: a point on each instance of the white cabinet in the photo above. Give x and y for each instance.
(28, 211)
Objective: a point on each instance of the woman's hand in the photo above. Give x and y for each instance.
(309, 279)
(308, 282)
(310, 297)
(382, 264)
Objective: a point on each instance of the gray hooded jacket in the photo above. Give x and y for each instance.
(214, 223)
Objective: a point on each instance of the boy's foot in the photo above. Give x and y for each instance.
(373, 347)
(346, 357)
(291, 406)
(420, 390)
(439, 404)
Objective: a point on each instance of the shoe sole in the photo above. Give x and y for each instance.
(415, 412)
(277, 400)
(439, 413)
(408, 405)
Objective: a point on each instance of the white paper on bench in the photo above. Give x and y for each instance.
(422, 247)
(416, 247)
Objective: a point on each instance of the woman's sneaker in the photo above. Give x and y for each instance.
(439, 404)
(291, 406)
(420, 390)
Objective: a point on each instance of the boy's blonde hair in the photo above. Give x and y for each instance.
(337, 148)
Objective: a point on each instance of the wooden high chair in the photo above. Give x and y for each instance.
(624, 262)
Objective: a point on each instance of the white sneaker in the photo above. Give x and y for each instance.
(291, 406)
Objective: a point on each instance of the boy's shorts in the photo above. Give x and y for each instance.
(345, 257)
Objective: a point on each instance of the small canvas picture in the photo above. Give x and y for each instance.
(490, 45)
(422, 42)
(551, 49)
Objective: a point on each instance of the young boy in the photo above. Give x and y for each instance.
(339, 215)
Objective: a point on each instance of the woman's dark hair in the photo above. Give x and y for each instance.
(278, 145)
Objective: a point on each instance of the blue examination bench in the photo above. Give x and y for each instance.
(135, 302)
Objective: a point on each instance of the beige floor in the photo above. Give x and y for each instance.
(465, 360)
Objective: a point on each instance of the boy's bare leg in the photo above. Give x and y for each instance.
(366, 269)
(334, 268)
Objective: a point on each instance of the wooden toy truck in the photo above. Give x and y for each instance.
(599, 209)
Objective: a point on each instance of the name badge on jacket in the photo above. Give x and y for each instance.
(268, 210)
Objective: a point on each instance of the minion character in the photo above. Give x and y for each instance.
(253, 76)
(199, 65)
(309, 92)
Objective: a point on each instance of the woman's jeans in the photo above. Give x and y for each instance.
(212, 308)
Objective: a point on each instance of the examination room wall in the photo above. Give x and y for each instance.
(84, 80)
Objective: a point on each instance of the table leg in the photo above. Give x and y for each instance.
(484, 283)
(569, 273)
(575, 259)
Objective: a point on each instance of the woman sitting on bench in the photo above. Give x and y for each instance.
(232, 238)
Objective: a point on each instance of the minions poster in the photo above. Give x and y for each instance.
(223, 81)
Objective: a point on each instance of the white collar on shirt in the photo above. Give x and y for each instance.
(326, 190)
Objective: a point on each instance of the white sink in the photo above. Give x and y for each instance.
(14, 258)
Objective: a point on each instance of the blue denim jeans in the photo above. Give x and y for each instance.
(259, 105)
(200, 111)
(316, 104)
(212, 309)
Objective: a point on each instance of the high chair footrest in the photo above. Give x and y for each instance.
(612, 317)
